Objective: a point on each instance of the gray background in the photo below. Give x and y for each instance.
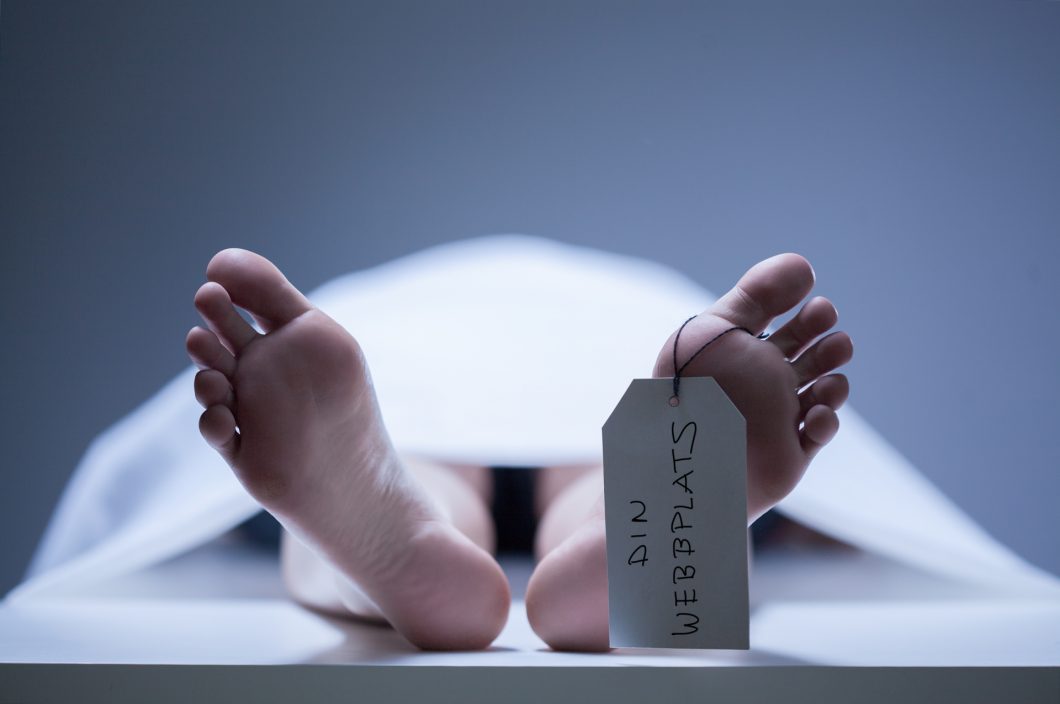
(911, 150)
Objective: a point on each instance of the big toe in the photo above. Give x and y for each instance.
(768, 289)
(255, 284)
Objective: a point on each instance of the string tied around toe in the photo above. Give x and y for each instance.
(676, 399)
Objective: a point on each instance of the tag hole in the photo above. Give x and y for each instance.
(674, 401)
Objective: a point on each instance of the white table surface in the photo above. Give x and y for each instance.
(818, 619)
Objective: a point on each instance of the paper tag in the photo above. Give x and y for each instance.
(675, 499)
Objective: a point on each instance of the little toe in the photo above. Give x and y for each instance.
(814, 319)
(218, 427)
(831, 391)
(769, 288)
(215, 307)
(258, 286)
(212, 388)
(819, 428)
(207, 351)
(825, 355)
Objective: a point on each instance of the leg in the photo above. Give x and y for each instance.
(567, 498)
(781, 386)
(293, 413)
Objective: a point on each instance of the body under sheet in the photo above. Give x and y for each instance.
(506, 350)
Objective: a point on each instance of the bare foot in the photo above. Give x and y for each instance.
(293, 412)
(785, 391)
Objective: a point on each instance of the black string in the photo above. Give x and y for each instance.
(708, 343)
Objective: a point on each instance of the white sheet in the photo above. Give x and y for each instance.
(505, 350)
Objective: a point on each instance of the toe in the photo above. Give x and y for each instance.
(218, 427)
(814, 319)
(769, 288)
(258, 286)
(824, 356)
(831, 391)
(212, 388)
(820, 427)
(207, 351)
(215, 306)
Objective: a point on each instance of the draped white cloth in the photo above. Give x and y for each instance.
(505, 350)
